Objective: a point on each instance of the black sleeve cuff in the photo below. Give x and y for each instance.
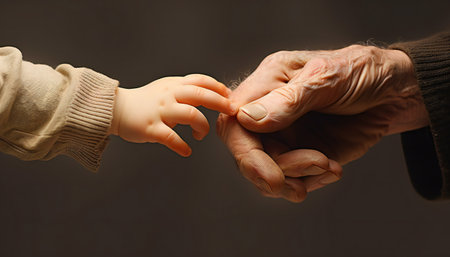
(427, 150)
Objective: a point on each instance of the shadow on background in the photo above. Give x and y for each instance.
(147, 201)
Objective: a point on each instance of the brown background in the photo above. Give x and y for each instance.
(147, 201)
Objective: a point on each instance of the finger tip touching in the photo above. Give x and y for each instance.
(199, 135)
(233, 109)
(186, 152)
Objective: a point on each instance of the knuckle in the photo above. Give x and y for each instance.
(319, 64)
(290, 95)
(295, 64)
(371, 49)
(198, 92)
(269, 58)
(354, 47)
(191, 114)
(318, 158)
(240, 162)
(247, 168)
(223, 127)
(198, 78)
(317, 67)
(220, 124)
(274, 58)
(170, 137)
(193, 76)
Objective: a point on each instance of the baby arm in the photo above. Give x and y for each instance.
(148, 113)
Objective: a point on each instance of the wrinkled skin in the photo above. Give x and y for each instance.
(322, 109)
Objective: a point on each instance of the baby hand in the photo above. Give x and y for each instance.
(148, 113)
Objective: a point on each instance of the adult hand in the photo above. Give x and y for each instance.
(337, 102)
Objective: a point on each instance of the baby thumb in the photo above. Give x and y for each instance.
(274, 111)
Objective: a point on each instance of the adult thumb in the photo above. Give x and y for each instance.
(276, 110)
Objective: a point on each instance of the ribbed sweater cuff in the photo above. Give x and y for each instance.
(89, 117)
(431, 59)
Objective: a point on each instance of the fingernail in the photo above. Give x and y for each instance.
(262, 184)
(234, 108)
(255, 111)
(329, 178)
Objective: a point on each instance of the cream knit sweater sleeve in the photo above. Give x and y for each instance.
(45, 112)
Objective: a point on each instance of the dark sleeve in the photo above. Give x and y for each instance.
(427, 150)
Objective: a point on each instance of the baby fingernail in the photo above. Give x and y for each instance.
(197, 135)
(187, 152)
(255, 111)
(234, 108)
(328, 179)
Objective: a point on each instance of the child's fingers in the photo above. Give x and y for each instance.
(196, 96)
(206, 82)
(166, 136)
(186, 114)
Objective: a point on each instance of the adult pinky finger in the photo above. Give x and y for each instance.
(318, 181)
(294, 190)
(166, 136)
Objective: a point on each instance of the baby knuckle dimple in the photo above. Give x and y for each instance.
(165, 88)
(150, 132)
